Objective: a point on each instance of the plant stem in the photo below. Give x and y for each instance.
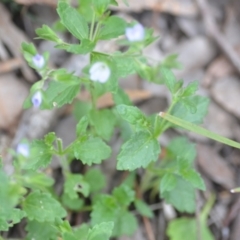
(165, 123)
(92, 26)
(63, 160)
(96, 31)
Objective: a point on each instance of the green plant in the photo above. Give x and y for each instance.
(29, 193)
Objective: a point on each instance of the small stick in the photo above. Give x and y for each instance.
(10, 65)
(217, 36)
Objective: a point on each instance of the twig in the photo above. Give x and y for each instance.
(10, 65)
(218, 37)
(148, 227)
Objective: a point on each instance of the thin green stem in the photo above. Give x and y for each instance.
(93, 99)
(59, 146)
(164, 123)
(63, 160)
(96, 31)
(92, 26)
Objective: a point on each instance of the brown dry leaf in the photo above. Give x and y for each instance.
(107, 101)
(30, 2)
(176, 7)
(215, 166)
(10, 65)
(225, 92)
(12, 95)
(12, 37)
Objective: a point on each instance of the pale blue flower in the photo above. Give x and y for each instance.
(99, 72)
(37, 99)
(135, 33)
(23, 149)
(38, 61)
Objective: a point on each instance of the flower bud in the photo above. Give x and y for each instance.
(38, 61)
(99, 72)
(135, 33)
(23, 149)
(37, 99)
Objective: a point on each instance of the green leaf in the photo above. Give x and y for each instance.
(40, 155)
(80, 109)
(29, 48)
(60, 93)
(125, 64)
(113, 27)
(75, 184)
(124, 195)
(191, 89)
(92, 150)
(126, 224)
(133, 115)
(178, 227)
(120, 97)
(171, 62)
(143, 208)
(104, 122)
(180, 147)
(101, 231)
(138, 151)
(37, 180)
(82, 125)
(50, 138)
(168, 183)
(169, 78)
(43, 207)
(35, 230)
(182, 197)
(193, 177)
(200, 104)
(84, 47)
(73, 20)
(96, 180)
(47, 33)
(10, 218)
(105, 209)
(73, 204)
(199, 130)
(100, 6)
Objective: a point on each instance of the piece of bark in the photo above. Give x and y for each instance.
(185, 7)
(12, 95)
(13, 37)
(10, 65)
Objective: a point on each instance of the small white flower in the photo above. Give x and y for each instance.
(135, 33)
(23, 149)
(99, 72)
(38, 61)
(37, 99)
